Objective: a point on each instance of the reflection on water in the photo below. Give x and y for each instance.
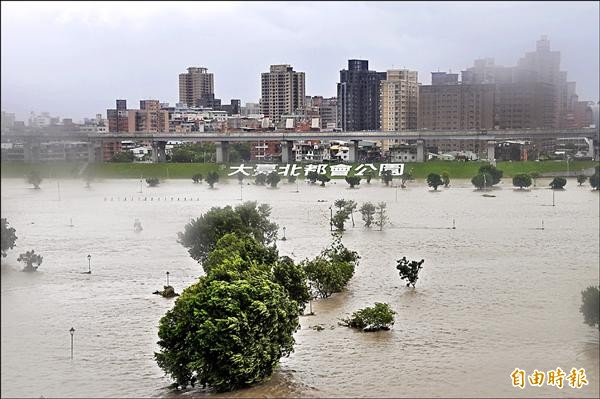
(495, 293)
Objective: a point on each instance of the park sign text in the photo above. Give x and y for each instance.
(397, 169)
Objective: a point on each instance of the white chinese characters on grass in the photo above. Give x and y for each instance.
(362, 168)
(264, 168)
(320, 169)
(240, 169)
(340, 170)
(396, 168)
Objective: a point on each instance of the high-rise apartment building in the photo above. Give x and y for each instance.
(282, 92)
(195, 86)
(118, 120)
(358, 97)
(150, 118)
(450, 105)
(399, 100)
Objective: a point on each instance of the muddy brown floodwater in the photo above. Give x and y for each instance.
(495, 294)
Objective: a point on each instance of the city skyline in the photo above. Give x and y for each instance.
(68, 69)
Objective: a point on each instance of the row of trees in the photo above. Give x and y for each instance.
(230, 329)
(371, 214)
(9, 238)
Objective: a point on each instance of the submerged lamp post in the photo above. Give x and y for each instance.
(72, 331)
(283, 239)
(330, 219)
(89, 264)
(167, 279)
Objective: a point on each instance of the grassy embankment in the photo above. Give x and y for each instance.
(457, 170)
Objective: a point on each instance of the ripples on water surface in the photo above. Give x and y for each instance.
(495, 294)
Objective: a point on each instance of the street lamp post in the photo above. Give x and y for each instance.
(330, 219)
(283, 239)
(167, 279)
(72, 331)
(89, 264)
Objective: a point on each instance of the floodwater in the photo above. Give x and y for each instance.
(496, 293)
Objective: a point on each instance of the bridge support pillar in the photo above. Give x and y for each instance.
(222, 151)
(420, 151)
(93, 150)
(158, 151)
(286, 151)
(353, 151)
(491, 151)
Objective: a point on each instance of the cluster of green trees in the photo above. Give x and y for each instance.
(590, 306)
(9, 238)
(409, 270)
(272, 179)
(595, 179)
(488, 176)
(123, 156)
(152, 181)
(378, 317)
(230, 329)
(371, 214)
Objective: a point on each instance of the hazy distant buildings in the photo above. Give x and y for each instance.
(358, 97)
(447, 104)
(196, 87)
(282, 92)
(150, 118)
(399, 100)
(118, 120)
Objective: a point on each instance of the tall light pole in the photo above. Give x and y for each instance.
(89, 264)
(330, 219)
(283, 239)
(167, 279)
(72, 331)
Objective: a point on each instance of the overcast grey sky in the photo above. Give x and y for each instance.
(74, 59)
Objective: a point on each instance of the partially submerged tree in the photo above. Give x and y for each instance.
(558, 183)
(212, 178)
(30, 258)
(34, 178)
(482, 180)
(581, 179)
(8, 236)
(378, 317)
(291, 179)
(312, 176)
(227, 333)
(590, 306)
(369, 174)
(381, 217)
(197, 178)
(521, 180)
(367, 210)
(434, 180)
(260, 179)
(386, 177)
(595, 181)
(323, 179)
(152, 181)
(292, 278)
(491, 171)
(409, 271)
(273, 178)
(201, 235)
(534, 176)
(353, 181)
(446, 179)
(240, 246)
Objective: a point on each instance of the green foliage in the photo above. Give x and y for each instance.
(345, 210)
(331, 271)
(404, 177)
(378, 317)
(197, 178)
(434, 180)
(34, 178)
(521, 180)
(291, 179)
(123, 156)
(590, 306)
(482, 180)
(535, 175)
(409, 271)
(273, 178)
(369, 174)
(446, 178)
(244, 247)
(260, 179)
(581, 179)
(201, 235)
(595, 181)
(312, 176)
(293, 279)
(152, 181)
(353, 180)
(381, 217)
(227, 334)
(367, 210)
(8, 236)
(323, 179)
(491, 171)
(197, 152)
(212, 178)
(30, 258)
(386, 177)
(558, 183)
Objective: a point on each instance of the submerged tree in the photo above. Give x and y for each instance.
(446, 178)
(482, 180)
(404, 177)
(312, 176)
(386, 177)
(534, 177)
(367, 210)
(521, 180)
(152, 181)
(381, 218)
(494, 174)
(595, 181)
(409, 271)
(323, 179)
(212, 178)
(30, 258)
(292, 278)
(260, 179)
(34, 178)
(558, 183)
(581, 179)
(590, 306)
(353, 181)
(197, 178)
(378, 317)
(8, 236)
(273, 178)
(369, 174)
(434, 180)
